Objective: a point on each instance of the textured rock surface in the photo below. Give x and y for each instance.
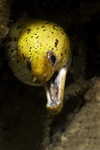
(4, 17)
(83, 132)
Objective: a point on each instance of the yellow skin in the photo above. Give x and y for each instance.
(46, 48)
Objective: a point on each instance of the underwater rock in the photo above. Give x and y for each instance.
(4, 17)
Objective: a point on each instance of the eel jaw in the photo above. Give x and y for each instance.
(55, 90)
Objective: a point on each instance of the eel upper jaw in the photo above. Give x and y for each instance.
(55, 90)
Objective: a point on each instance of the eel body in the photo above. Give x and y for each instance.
(39, 54)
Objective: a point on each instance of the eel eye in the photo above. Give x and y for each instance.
(28, 64)
(52, 57)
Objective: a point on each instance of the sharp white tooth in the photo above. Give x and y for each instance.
(34, 79)
(52, 85)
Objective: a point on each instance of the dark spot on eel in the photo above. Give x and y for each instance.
(43, 26)
(17, 61)
(37, 37)
(28, 30)
(18, 27)
(23, 56)
(56, 43)
(61, 54)
(47, 22)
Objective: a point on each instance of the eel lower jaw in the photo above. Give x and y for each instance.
(54, 89)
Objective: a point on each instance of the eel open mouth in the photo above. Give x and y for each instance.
(55, 90)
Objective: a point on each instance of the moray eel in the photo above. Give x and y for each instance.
(39, 54)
